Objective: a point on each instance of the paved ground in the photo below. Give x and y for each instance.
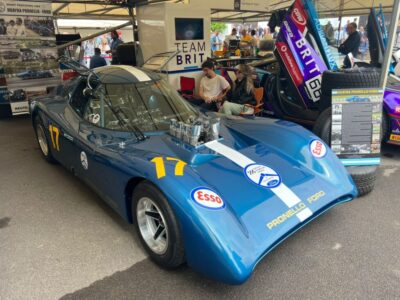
(58, 240)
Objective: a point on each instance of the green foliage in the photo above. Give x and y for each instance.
(221, 27)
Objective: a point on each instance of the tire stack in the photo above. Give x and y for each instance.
(364, 176)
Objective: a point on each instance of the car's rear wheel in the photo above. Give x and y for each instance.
(385, 126)
(43, 140)
(157, 227)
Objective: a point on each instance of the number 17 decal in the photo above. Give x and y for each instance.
(55, 137)
(160, 166)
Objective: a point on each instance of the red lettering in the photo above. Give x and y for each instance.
(206, 197)
(200, 195)
(212, 198)
(218, 199)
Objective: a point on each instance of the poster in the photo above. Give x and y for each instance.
(356, 125)
(27, 52)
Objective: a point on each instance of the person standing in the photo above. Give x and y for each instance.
(351, 44)
(230, 37)
(245, 37)
(115, 42)
(216, 41)
(97, 60)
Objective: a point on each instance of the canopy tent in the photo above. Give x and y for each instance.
(89, 9)
(326, 9)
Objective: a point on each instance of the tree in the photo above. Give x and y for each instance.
(221, 27)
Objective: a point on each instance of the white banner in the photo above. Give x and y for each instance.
(25, 8)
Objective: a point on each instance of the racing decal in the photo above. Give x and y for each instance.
(289, 62)
(309, 64)
(281, 191)
(84, 160)
(262, 175)
(299, 16)
(55, 137)
(160, 166)
(395, 137)
(316, 197)
(139, 74)
(300, 210)
(318, 149)
(207, 198)
(315, 25)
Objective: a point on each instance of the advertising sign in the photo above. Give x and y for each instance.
(27, 51)
(356, 125)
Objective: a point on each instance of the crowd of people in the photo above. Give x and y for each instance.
(250, 36)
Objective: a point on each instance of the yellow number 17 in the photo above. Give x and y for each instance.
(55, 137)
(160, 166)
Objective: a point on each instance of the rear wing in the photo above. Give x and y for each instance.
(159, 61)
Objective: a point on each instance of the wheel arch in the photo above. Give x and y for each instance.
(129, 188)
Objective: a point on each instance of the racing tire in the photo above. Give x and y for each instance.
(157, 226)
(364, 177)
(322, 126)
(43, 140)
(385, 126)
(345, 79)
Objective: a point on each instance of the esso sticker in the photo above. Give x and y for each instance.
(317, 148)
(207, 198)
(262, 176)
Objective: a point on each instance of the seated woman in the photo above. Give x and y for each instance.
(241, 94)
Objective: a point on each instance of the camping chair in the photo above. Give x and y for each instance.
(257, 109)
(187, 85)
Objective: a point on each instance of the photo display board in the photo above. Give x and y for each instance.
(356, 125)
(28, 56)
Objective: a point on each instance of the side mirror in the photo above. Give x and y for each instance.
(88, 92)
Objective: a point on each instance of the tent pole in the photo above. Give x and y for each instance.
(392, 37)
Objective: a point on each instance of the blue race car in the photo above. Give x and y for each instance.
(216, 192)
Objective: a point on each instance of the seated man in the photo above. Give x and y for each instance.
(241, 94)
(213, 87)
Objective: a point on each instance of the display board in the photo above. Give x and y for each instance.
(27, 52)
(356, 125)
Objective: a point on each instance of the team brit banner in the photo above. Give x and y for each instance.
(27, 52)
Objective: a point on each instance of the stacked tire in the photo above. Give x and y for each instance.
(363, 176)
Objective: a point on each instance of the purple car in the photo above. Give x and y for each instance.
(300, 89)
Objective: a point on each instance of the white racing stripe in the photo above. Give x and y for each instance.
(282, 191)
(139, 74)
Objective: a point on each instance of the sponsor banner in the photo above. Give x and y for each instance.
(356, 124)
(25, 8)
(27, 51)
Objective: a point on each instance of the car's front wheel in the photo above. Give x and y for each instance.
(42, 140)
(158, 229)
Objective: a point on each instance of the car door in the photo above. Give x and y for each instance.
(98, 150)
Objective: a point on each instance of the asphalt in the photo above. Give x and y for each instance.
(58, 240)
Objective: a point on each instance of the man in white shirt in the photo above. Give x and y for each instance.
(230, 37)
(213, 87)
